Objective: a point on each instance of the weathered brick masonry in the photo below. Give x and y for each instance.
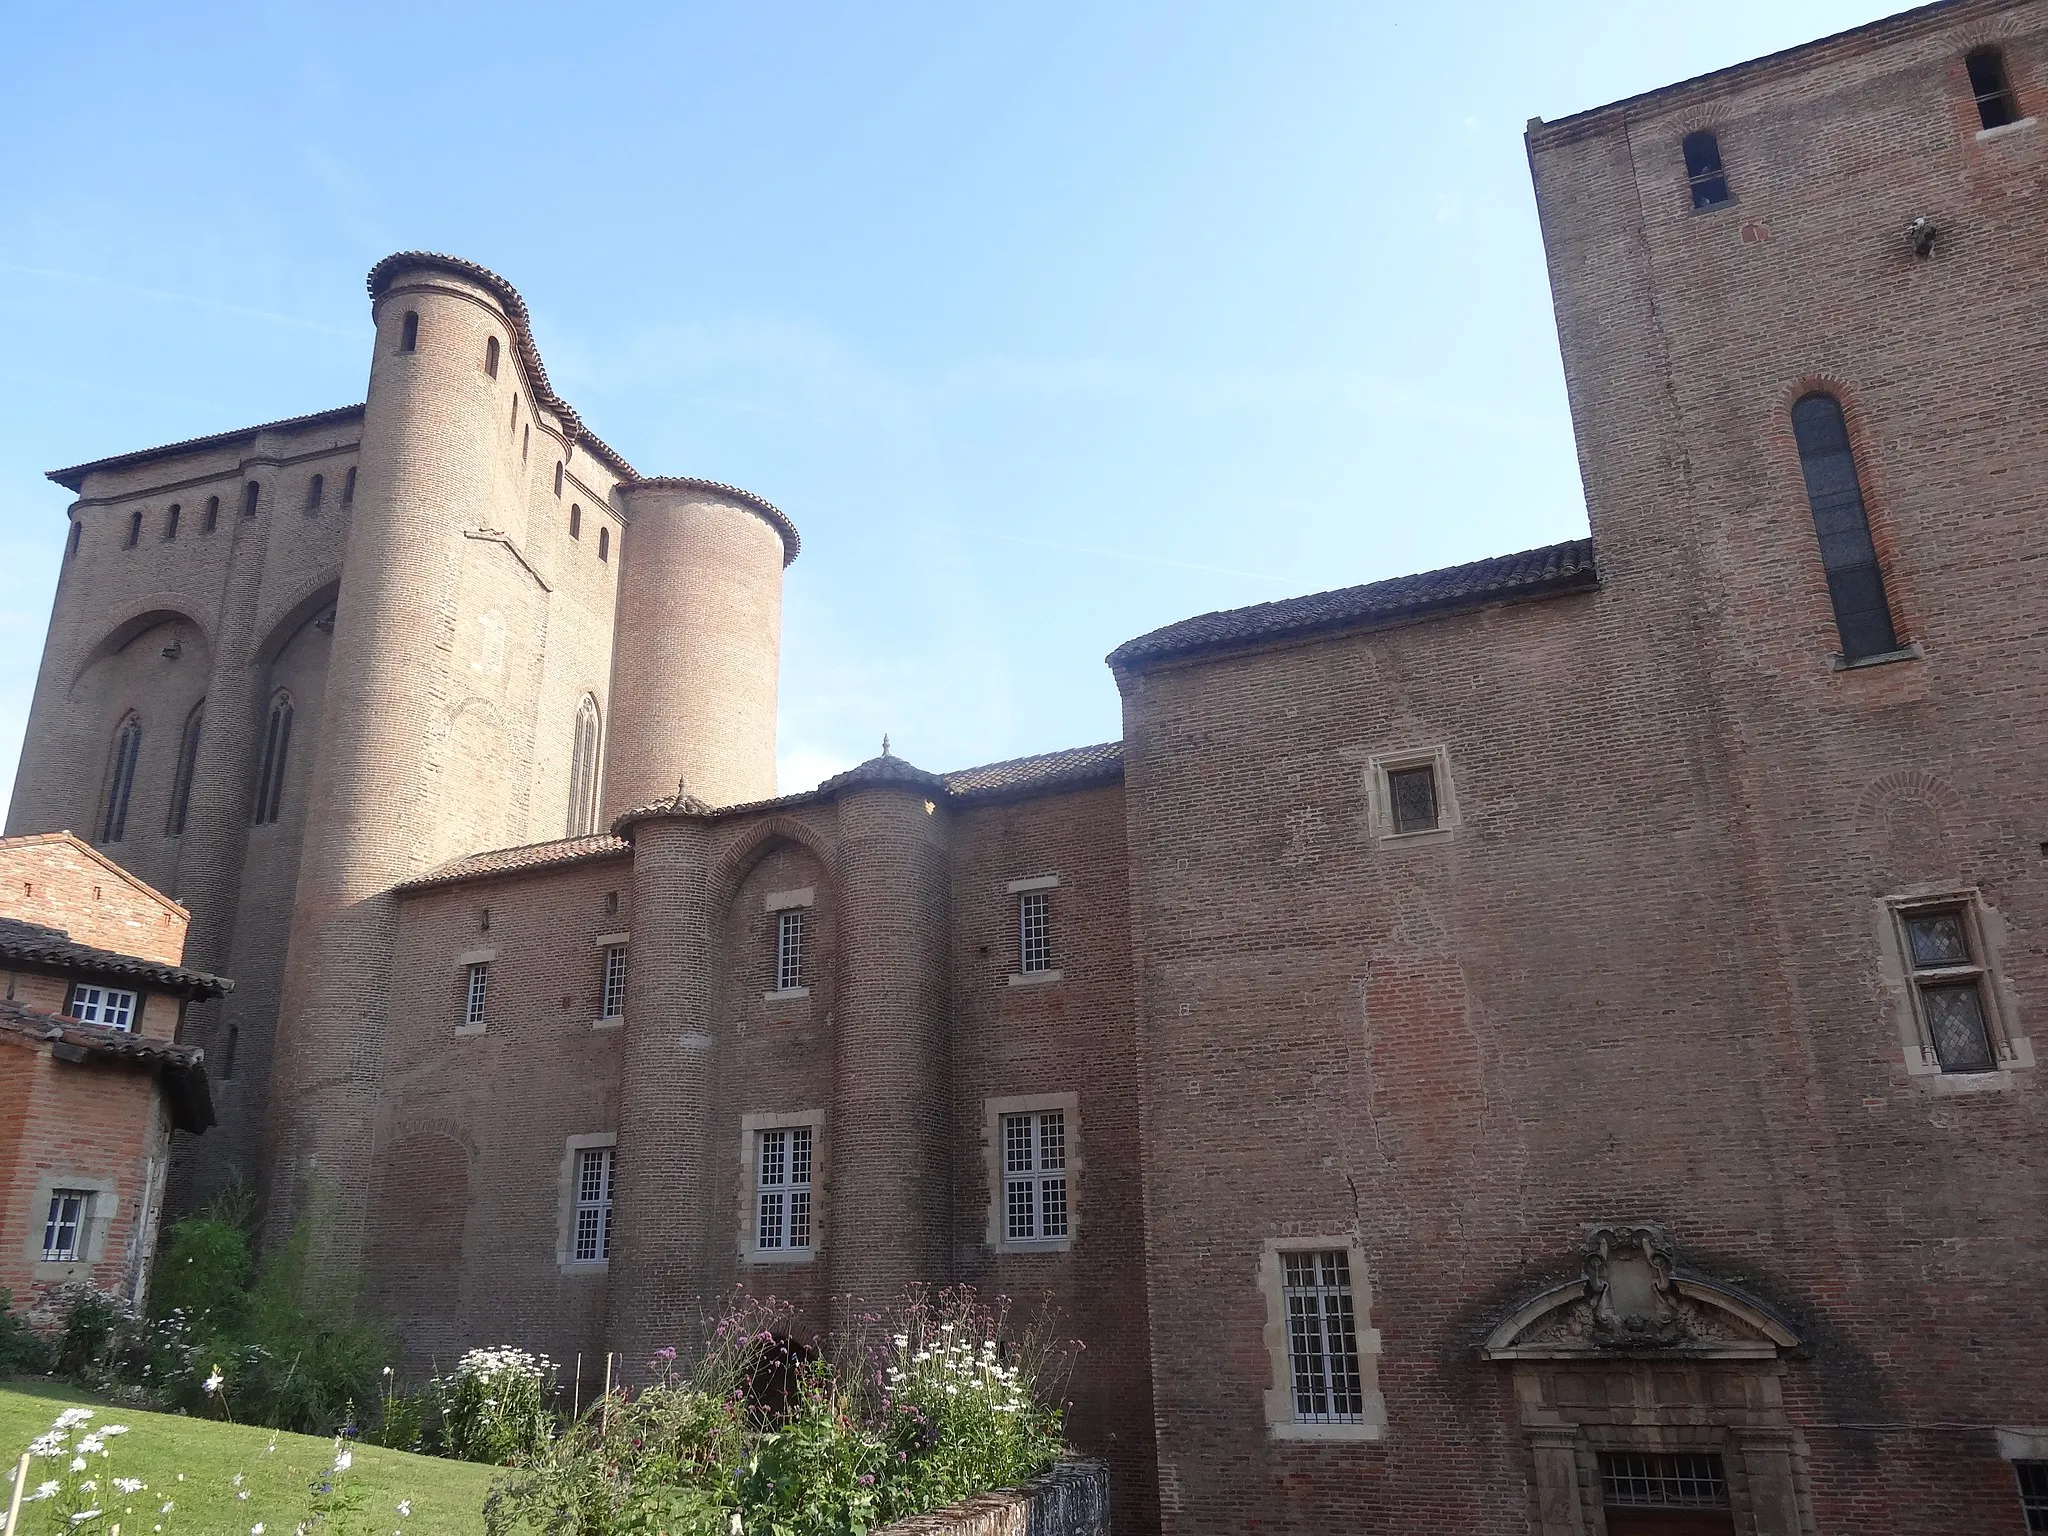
(1530, 956)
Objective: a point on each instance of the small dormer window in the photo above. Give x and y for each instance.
(1996, 106)
(1703, 172)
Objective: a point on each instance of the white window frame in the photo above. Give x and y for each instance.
(102, 1207)
(1024, 893)
(109, 1007)
(1380, 796)
(996, 1115)
(792, 977)
(1034, 932)
(466, 965)
(2011, 1050)
(569, 1201)
(1284, 1421)
(611, 988)
(69, 1209)
(597, 1209)
(752, 1128)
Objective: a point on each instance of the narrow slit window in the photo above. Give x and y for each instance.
(782, 1183)
(1989, 84)
(188, 763)
(614, 1000)
(593, 1205)
(134, 529)
(171, 522)
(1322, 1337)
(64, 1227)
(316, 492)
(112, 1007)
(525, 442)
(558, 478)
(250, 493)
(604, 543)
(1035, 1176)
(575, 521)
(583, 754)
(212, 519)
(1034, 932)
(515, 409)
(348, 487)
(1704, 176)
(1944, 953)
(476, 993)
(789, 949)
(1863, 615)
(409, 333)
(120, 780)
(491, 357)
(77, 530)
(277, 745)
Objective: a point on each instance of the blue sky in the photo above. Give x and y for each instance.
(1047, 323)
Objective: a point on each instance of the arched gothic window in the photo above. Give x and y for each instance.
(1863, 614)
(120, 779)
(188, 761)
(277, 745)
(583, 771)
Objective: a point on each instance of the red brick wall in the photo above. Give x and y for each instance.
(56, 882)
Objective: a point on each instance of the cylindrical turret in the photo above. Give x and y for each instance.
(401, 694)
(696, 648)
(891, 1106)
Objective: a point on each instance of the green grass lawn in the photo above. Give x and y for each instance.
(277, 1470)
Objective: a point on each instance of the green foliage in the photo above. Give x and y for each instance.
(93, 1320)
(495, 1407)
(203, 1272)
(22, 1351)
(408, 1420)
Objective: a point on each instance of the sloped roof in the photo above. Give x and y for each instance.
(886, 769)
(52, 949)
(81, 847)
(1566, 567)
(180, 1068)
(513, 861)
(74, 477)
(1074, 768)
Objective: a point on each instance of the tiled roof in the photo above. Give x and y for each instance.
(886, 769)
(31, 944)
(512, 861)
(181, 1068)
(1563, 567)
(71, 479)
(1075, 768)
(773, 515)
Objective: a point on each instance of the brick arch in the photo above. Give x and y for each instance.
(279, 631)
(753, 845)
(140, 618)
(1912, 810)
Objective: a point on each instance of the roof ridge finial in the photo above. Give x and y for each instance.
(885, 743)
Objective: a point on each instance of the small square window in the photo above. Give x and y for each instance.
(109, 1006)
(2033, 1476)
(789, 950)
(782, 1185)
(64, 1230)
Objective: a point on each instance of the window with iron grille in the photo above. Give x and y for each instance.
(1991, 87)
(1322, 1337)
(1648, 1480)
(479, 991)
(1411, 793)
(1944, 957)
(111, 1006)
(2033, 1476)
(614, 981)
(64, 1229)
(789, 950)
(1704, 177)
(1035, 1176)
(1034, 932)
(593, 1204)
(782, 1183)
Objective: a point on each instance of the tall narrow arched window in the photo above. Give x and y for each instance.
(491, 356)
(575, 521)
(1992, 87)
(316, 492)
(212, 518)
(583, 770)
(120, 779)
(171, 521)
(604, 543)
(525, 441)
(134, 529)
(250, 493)
(515, 408)
(277, 745)
(1863, 615)
(1704, 175)
(558, 477)
(77, 529)
(188, 761)
(409, 333)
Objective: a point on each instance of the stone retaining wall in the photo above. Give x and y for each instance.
(1070, 1500)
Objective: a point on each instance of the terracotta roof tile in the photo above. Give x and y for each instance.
(1074, 768)
(1563, 567)
(31, 944)
(512, 861)
(180, 1068)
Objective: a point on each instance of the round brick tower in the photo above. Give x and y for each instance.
(890, 1098)
(697, 645)
(435, 460)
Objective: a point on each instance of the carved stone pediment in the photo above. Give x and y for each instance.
(1632, 1299)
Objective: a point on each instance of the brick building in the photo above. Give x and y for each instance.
(1542, 1045)
(94, 1078)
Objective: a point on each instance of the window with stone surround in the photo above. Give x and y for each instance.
(604, 543)
(1411, 793)
(476, 994)
(211, 520)
(614, 988)
(789, 949)
(1323, 1349)
(1991, 87)
(2033, 1480)
(1034, 931)
(782, 1183)
(65, 1225)
(1654, 1480)
(120, 779)
(575, 520)
(91, 1003)
(1944, 953)
(1035, 1176)
(593, 1205)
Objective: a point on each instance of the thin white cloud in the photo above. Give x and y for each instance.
(196, 301)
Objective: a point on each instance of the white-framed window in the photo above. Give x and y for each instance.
(782, 1186)
(614, 990)
(1324, 1351)
(92, 1004)
(1035, 1176)
(64, 1229)
(789, 949)
(1034, 932)
(593, 1205)
(476, 994)
(1411, 793)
